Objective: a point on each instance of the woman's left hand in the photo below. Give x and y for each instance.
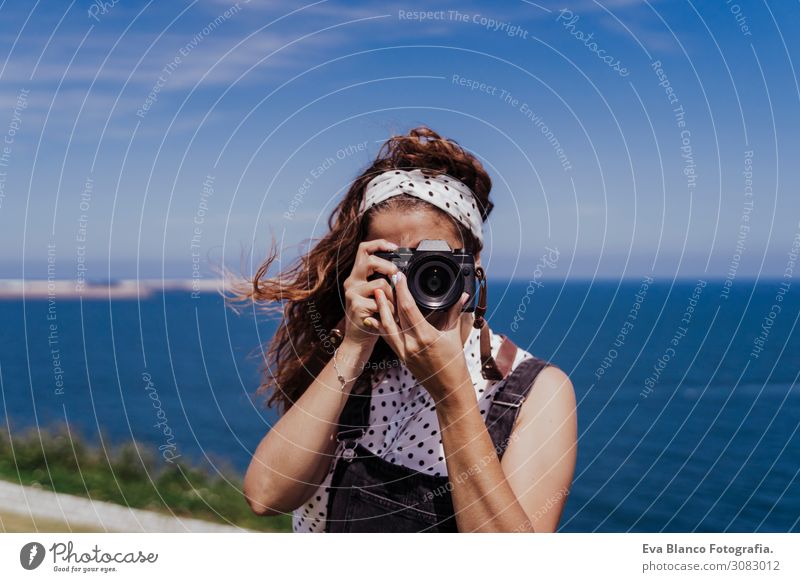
(435, 356)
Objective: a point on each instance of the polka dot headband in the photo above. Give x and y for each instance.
(441, 190)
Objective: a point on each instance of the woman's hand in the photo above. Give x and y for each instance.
(435, 356)
(360, 305)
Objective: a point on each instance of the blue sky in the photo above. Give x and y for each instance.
(118, 114)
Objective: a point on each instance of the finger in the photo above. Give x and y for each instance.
(365, 307)
(378, 244)
(367, 289)
(385, 312)
(361, 266)
(376, 264)
(382, 285)
(392, 310)
(408, 312)
(387, 325)
(454, 313)
(363, 297)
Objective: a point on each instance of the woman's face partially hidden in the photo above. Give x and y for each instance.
(406, 228)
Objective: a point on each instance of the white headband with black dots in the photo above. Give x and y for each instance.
(441, 190)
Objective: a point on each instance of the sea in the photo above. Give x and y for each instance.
(687, 391)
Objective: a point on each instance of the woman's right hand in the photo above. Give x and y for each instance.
(359, 294)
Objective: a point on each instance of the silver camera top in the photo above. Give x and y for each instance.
(433, 245)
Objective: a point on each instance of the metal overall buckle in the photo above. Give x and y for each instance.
(348, 442)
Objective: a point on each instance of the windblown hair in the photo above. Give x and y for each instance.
(310, 292)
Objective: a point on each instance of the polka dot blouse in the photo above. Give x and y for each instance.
(403, 426)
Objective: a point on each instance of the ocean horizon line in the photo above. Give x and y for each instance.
(144, 287)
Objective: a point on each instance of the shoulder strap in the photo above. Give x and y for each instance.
(354, 419)
(507, 400)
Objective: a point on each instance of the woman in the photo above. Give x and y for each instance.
(408, 419)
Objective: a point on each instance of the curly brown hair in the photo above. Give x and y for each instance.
(311, 300)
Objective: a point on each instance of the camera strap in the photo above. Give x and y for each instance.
(491, 368)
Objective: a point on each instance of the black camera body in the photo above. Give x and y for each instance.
(436, 274)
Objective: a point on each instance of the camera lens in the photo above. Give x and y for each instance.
(434, 279)
(434, 282)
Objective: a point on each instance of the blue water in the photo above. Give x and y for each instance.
(709, 442)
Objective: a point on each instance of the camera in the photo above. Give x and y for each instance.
(436, 274)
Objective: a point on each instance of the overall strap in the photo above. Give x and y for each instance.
(354, 419)
(507, 400)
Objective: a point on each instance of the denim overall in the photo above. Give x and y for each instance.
(371, 494)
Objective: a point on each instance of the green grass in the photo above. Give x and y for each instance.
(129, 474)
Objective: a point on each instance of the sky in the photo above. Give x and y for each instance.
(631, 138)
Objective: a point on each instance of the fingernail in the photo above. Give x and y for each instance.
(395, 277)
(393, 246)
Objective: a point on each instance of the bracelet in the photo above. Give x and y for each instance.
(339, 376)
